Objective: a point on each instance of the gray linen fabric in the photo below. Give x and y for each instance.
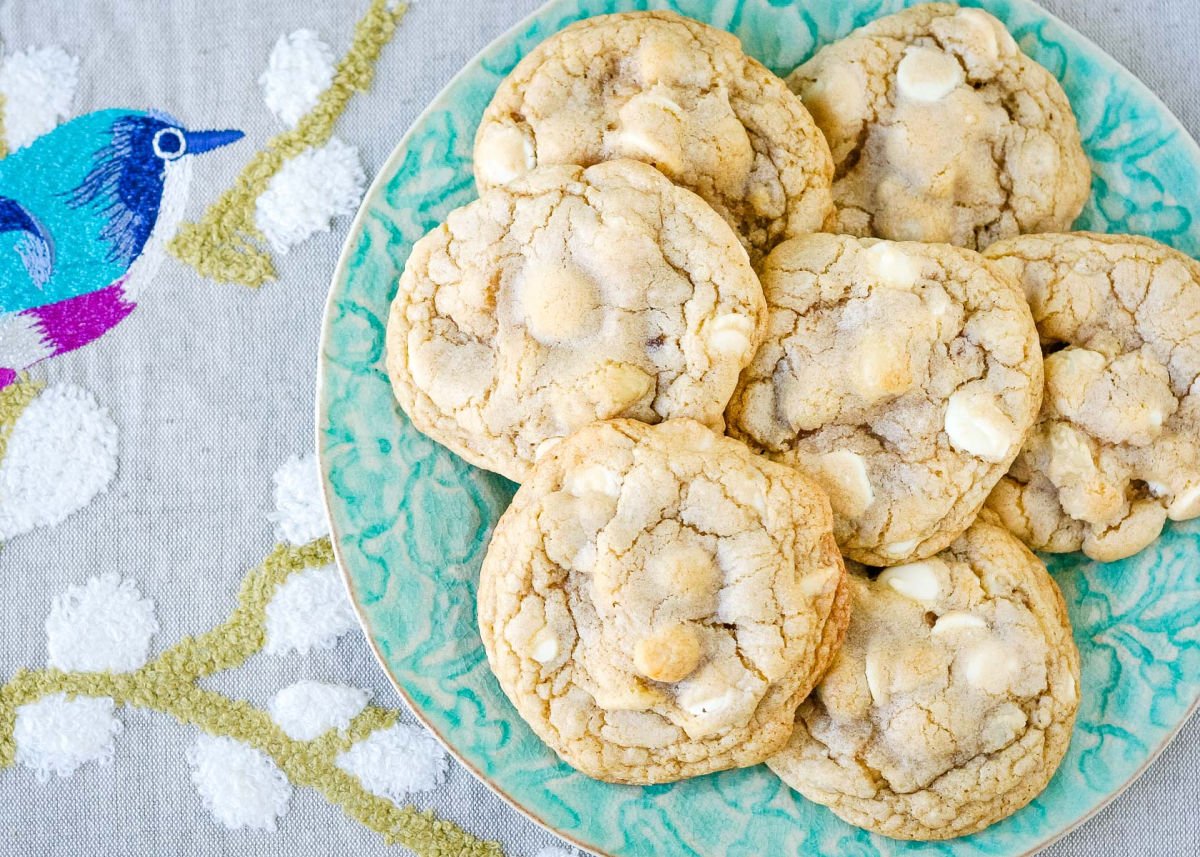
(212, 388)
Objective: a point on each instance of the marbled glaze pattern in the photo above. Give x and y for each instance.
(412, 521)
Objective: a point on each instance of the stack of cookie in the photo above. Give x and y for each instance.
(856, 276)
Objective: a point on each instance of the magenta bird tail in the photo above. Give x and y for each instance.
(46, 331)
(75, 322)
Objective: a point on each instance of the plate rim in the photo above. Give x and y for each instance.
(384, 174)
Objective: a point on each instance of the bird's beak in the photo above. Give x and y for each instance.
(199, 142)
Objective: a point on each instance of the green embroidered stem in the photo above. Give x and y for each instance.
(228, 645)
(168, 685)
(14, 398)
(225, 244)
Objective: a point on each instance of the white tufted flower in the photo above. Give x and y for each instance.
(299, 515)
(308, 709)
(56, 734)
(61, 453)
(239, 785)
(299, 70)
(38, 86)
(308, 611)
(308, 192)
(394, 762)
(104, 625)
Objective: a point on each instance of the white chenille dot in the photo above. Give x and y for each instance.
(299, 515)
(104, 625)
(308, 192)
(395, 762)
(238, 784)
(38, 86)
(299, 69)
(61, 453)
(308, 709)
(57, 734)
(309, 610)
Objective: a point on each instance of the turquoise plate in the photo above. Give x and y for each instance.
(411, 521)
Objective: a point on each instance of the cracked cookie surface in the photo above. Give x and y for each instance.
(568, 296)
(951, 703)
(942, 130)
(1116, 451)
(657, 600)
(903, 377)
(671, 92)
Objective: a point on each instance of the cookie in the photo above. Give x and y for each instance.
(1116, 450)
(567, 296)
(904, 377)
(952, 701)
(674, 93)
(942, 130)
(657, 600)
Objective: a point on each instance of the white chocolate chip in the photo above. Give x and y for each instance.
(731, 335)
(937, 302)
(719, 694)
(818, 582)
(543, 448)
(1186, 504)
(989, 667)
(994, 38)
(900, 548)
(877, 679)
(504, 153)
(595, 478)
(980, 24)
(838, 97)
(882, 368)
(1002, 727)
(843, 475)
(544, 646)
(688, 436)
(560, 303)
(617, 386)
(1068, 374)
(652, 128)
(1068, 688)
(710, 697)
(656, 99)
(744, 488)
(891, 266)
(927, 74)
(1070, 458)
(957, 620)
(977, 426)
(920, 581)
(702, 701)
(688, 570)
(669, 655)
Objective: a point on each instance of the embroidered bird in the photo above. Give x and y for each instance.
(86, 212)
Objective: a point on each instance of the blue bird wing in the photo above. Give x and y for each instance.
(34, 245)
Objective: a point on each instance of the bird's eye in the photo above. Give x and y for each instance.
(169, 144)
